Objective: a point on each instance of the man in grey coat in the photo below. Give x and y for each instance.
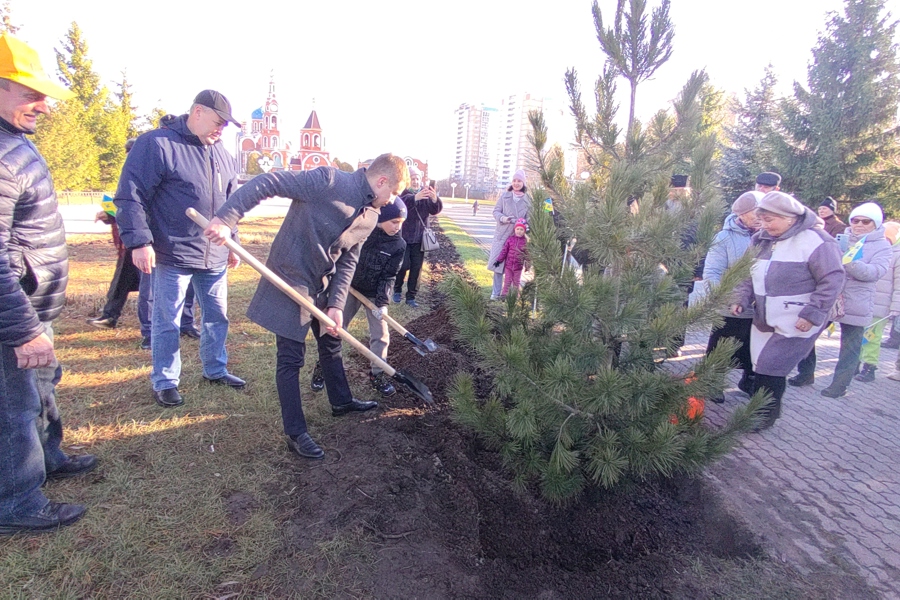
(315, 251)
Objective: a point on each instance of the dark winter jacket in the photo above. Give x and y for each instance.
(515, 253)
(379, 263)
(167, 171)
(34, 267)
(417, 217)
(318, 245)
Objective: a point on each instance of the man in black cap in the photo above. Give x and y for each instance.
(826, 211)
(768, 182)
(181, 165)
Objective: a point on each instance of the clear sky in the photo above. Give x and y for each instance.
(386, 76)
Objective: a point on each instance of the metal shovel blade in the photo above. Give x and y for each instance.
(428, 344)
(414, 385)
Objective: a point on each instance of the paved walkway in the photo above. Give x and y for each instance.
(822, 487)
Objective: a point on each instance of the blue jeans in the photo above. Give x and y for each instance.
(21, 457)
(170, 285)
(145, 306)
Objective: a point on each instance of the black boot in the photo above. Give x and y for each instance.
(867, 374)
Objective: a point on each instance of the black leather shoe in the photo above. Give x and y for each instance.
(802, 380)
(190, 332)
(352, 406)
(146, 343)
(168, 398)
(232, 381)
(53, 516)
(305, 446)
(746, 384)
(103, 322)
(718, 400)
(74, 466)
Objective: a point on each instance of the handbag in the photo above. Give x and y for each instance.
(429, 237)
(837, 311)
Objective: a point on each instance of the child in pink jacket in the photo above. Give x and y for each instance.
(515, 253)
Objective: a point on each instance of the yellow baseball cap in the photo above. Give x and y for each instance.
(20, 63)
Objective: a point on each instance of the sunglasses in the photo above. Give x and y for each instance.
(860, 221)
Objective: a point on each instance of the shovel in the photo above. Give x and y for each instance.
(412, 384)
(419, 345)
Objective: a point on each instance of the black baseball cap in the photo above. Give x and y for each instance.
(217, 102)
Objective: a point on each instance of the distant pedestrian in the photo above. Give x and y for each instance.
(475, 207)
(515, 255)
(794, 283)
(768, 182)
(513, 204)
(421, 202)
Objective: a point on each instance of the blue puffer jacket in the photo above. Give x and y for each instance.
(728, 246)
(168, 171)
(34, 264)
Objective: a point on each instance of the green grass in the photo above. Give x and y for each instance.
(474, 257)
(159, 523)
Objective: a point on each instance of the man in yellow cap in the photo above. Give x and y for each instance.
(33, 276)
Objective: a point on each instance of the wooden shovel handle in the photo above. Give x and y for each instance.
(390, 321)
(294, 294)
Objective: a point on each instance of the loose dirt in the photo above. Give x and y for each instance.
(425, 511)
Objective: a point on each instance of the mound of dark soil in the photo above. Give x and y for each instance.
(430, 513)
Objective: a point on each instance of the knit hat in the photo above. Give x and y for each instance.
(781, 204)
(769, 179)
(678, 181)
(394, 210)
(830, 203)
(414, 171)
(520, 175)
(522, 223)
(869, 210)
(746, 202)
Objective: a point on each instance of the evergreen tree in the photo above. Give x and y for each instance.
(842, 128)
(634, 52)
(582, 392)
(752, 143)
(96, 123)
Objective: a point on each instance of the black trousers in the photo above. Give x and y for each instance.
(412, 262)
(290, 358)
(739, 329)
(126, 279)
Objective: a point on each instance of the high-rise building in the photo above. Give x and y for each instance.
(475, 141)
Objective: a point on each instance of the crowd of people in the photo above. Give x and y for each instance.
(811, 271)
(336, 222)
(350, 241)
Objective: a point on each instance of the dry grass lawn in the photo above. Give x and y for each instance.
(164, 512)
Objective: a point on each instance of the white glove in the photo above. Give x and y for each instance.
(380, 313)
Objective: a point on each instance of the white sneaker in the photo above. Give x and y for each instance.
(895, 375)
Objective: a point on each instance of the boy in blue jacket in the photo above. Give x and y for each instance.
(379, 262)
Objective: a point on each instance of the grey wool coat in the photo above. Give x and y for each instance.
(318, 245)
(507, 206)
(796, 275)
(862, 275)
(887, 290)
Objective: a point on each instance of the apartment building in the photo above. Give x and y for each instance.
(475, 140)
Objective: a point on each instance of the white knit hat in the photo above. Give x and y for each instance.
(869, 210)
